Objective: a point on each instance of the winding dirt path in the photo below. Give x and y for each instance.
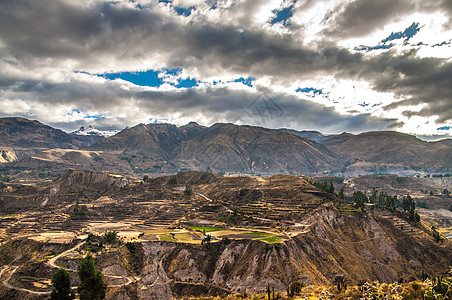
(10, 286)
(52, 263)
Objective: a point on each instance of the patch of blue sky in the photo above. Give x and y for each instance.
(371, 48)
(249, 81)
(310, 90)
(153, 78)
(445, 128)
(146, 78)
(182, 11)
(186, 83)
(158, 120)
(93, 116)
(87, 116)
(282, 16)
(407, 34)
(442, 44)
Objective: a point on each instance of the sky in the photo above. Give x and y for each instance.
(326, 65)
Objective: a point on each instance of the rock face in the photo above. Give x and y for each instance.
(7, 155)
(26, 134)
(165, 149)
(21, 138)
(95, 180)
(224, 148)
(359, 246)
(154, 283)
(391, 150)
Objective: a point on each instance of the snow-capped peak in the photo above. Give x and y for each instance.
(90, 130)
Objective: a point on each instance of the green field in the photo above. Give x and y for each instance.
(207, 229)
(166, 238)
(183, 237)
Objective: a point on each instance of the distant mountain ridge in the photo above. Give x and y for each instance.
(24, 133)
(391, 150)
(20, 137)
(222, 148)
(313, 135)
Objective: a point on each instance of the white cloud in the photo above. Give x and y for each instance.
(44, 69)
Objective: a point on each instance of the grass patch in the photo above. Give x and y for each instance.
(255, 233)
(7, 216)
(166, 238)
(207, 229)
(271, 239)
(183, 237)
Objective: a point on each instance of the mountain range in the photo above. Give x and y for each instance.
(221, 148)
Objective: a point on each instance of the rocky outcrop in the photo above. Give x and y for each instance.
(154, 283)
(93, 180)
(7, 155)
(357, 245)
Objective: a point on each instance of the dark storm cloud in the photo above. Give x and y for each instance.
(360, 17)
(215, 104)
(417, 81)
(93, 35)
(226, 105)
(36, 35)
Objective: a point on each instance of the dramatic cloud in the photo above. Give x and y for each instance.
(119, 63)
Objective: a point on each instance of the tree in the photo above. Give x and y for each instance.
(360, 198)
(110, 236)
(145, 178)
(92, 285)
(331, 188)
(382, 198)
(406, 202)
(188, 192)
(61, 282)
(373, 198)
(341, 194)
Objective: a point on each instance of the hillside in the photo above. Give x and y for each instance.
(21, 137)
(223, 148)
(22, 133)
(309, 134)
(158, 149)
(265, 230)
(247, 149)
(385, 151)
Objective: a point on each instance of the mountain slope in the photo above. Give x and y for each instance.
(223, 148)
(166, 148)
(229, 147)
(393, 149)
(281, 229)
(156, 141)
(21, 133)
(309, 134)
